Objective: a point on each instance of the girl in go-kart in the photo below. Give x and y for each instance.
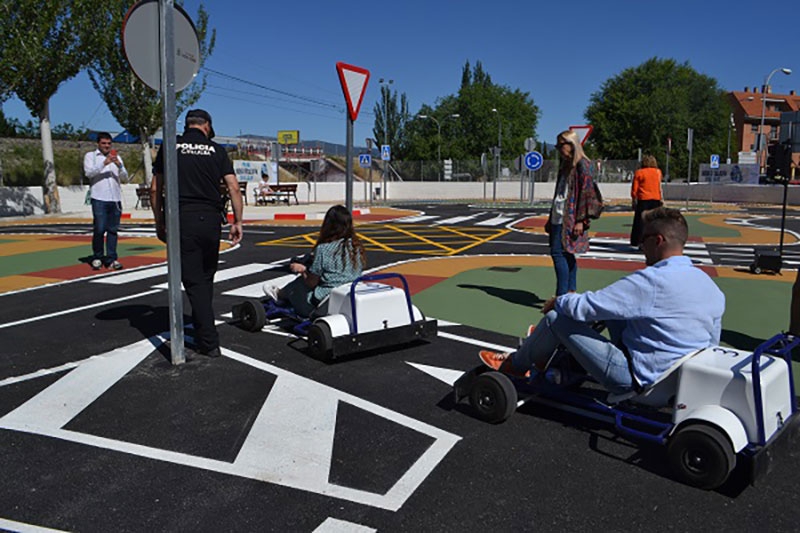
(338, 257)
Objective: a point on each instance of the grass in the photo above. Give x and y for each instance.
(23, 166)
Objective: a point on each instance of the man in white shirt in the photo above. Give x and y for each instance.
(655, 316)
(105, 169)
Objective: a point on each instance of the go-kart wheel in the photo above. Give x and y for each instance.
(493, 397)
(755, 269)
(252, 315)
(701, 456)
(320, 340)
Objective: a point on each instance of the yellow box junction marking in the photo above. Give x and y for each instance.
(442, 240)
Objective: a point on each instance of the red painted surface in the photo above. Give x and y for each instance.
(537, 222)
(82, 270)
(416, 283)
(290, 216)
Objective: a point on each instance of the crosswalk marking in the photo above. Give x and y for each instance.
(620, 249)
(413, 220)
(494, 221)
(235, 272)
(256, 290)
(454, 220)
(129, 277)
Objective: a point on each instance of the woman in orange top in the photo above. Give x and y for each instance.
(645, 193)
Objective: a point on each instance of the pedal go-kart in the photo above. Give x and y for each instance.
(363, 315)
(711, 408)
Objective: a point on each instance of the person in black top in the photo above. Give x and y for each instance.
(203, 166)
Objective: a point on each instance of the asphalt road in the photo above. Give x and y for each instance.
(100, 433)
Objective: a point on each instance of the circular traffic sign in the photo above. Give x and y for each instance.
(533, 160)
(140, 43)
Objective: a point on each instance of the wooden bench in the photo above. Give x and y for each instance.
(142, 197)
(283, 192)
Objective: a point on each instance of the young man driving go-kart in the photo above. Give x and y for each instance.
(655, 316)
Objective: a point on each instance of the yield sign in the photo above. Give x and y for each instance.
(582, 131)
(354, 84)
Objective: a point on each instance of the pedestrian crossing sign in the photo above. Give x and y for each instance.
(364, 160)
(386, 152)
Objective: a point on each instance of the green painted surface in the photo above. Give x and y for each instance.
(13, 265)
(619, 224)
(508, 302)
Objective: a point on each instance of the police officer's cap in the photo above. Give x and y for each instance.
(201, 114)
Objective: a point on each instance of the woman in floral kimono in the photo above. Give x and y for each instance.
(568, 224)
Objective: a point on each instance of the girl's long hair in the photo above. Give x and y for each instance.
(338, 224)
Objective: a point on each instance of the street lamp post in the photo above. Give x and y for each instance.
(762, 145)
(730, 126)
(387, 83)
(499, 151)
(439, 134)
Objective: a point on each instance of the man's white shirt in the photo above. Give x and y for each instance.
(104, 179)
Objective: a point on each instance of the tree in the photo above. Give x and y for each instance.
(390, 121)
(45, 44)
(476, 129)
(641, 107)
(135, 106)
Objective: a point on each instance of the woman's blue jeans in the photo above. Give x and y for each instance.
(564, 263)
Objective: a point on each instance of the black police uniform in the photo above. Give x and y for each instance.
(202, 164)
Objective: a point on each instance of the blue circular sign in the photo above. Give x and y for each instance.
(533, 160)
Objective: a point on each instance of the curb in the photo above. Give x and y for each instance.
(300, 216)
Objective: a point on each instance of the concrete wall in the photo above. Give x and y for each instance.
(23, 201)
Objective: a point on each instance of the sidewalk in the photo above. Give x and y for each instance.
(251, 214)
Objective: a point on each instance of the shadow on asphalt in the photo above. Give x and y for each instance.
(146, 319)
(740, 341)
(604, 441)
(514, 296)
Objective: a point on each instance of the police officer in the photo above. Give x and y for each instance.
(203, 166)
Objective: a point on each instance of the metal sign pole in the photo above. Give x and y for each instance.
(167, 71)
(348, 185)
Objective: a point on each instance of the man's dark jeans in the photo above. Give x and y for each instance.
(106, 224)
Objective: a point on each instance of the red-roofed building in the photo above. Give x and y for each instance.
(746, 107)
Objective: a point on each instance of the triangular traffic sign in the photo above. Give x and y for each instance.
(583, 132)
(354, 84)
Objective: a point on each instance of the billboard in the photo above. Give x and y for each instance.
(729, 174)
(289, 136)
(252, 170)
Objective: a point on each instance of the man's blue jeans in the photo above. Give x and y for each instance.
(596, 354)
(564, 263)
(106, 224)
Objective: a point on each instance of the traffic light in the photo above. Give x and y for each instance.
(771, 153)
(779, 161)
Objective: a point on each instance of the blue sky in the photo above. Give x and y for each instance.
(559, 52)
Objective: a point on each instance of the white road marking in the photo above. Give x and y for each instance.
(334, 525)
(305, 466)
(76, 309)
(445, 375)
(129, 277)
(476, 342)
(256, 290)
(40, 373)
(420, 218)
(10, 525)
(454, 220)
(234, 272)
(497, 221)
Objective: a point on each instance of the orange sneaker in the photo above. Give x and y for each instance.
(502, 363)
(531, 329)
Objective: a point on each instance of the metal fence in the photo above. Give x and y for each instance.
(471, 170)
